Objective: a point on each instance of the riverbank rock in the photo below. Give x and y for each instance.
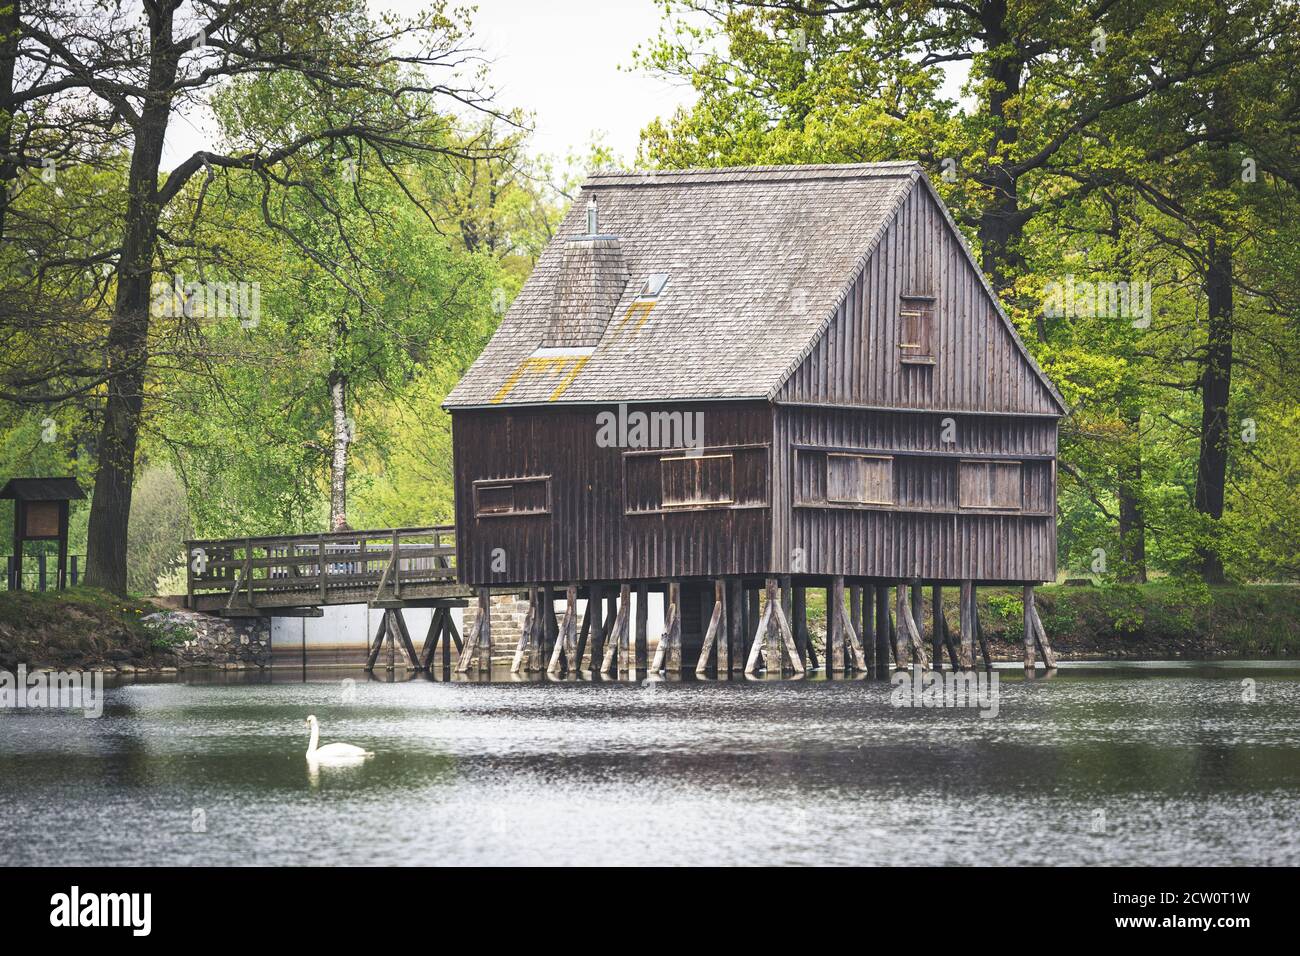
(205, 640)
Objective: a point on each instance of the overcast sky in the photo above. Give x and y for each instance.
(559, 60)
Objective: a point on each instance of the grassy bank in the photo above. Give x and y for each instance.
(1161, 620)
(80, 627)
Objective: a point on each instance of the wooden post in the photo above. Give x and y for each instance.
(642, 626)
(883, 636)
(1030, 634)
(595, 618)
(593, 607)
(715, 637)
(909, 633)
(799, 608)
(918, 617)
(398, 626)
(835, 627)
(772, 655)
(866, 598)
(751, 620)
(966, 655)
(855, 616)
(758, 640)
(722, 597)
(525, 634)
(566, 642)
(1044, 645)
(668, 656)
(376, 646)
(617, 644)
(40, 569)
(736, 622)
(902, 661)
(550, 627)
(61, 574)
(478, 643)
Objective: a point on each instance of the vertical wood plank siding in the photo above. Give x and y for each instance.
(587, 536)
(978, 366)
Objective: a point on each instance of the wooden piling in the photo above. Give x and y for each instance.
(799, 621)
(715, 637)
(966, 652)
(883, 636)
(642, 626)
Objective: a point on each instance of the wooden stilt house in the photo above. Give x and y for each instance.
(717, 382)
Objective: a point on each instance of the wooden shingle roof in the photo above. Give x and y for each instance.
(757, 259)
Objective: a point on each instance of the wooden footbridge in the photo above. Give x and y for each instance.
(297, 575)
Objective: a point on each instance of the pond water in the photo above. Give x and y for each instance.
(1100, 764)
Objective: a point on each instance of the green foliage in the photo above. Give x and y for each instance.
(160, 524)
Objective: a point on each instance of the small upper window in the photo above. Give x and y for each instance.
(515, 496)
(994, 485)
(916, 329)
(698, 480)
(859, 479)
(654, 284)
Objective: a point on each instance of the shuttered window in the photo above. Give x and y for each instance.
(516, 496)
(990, 484)
(697, 480)
(859, 479)
(916, 329)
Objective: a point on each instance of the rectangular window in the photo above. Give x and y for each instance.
(513, 496)
(916, 329)
(859, 479)
(697, 480)
(994, 485)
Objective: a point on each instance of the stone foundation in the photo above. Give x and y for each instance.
(205, 640)
(508, 615)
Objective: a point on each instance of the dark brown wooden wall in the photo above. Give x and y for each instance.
(978, 364)
(587, 536)
(925, 534)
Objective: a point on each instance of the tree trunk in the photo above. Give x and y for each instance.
(1132, 522)
(1216, 379)
(1001, 223)
(128, 336)
(339, 460)
(9, 15)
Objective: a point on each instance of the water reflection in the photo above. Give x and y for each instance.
(1175, 762)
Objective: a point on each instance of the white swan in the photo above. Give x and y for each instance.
(330, 751)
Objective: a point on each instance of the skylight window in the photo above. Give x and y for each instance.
(654, 284)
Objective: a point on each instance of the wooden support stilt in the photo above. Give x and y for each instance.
(398, 624)
(799, 621)
(432, 636)
(594, 625)
(902, 660)
(722, 598)
(752, 617)
(883, 636)
(983, 641)
(759, 639)
(642, 626)
(593, 608)
(566, 641)
(908, 631)
(942, 635)
(377, 645)
(537, 659)
(551, 626)
(834, 649)
(918, 618)
(848, 647)
(618, 645)
(866, 599)
(966, 655)
(1028, 618)
(855, 618)
(773, 639)
(715, 638)
(1044, 645)
(525, 634)
(607, 629)
(736, 623)
(478, 643)
(668, 655)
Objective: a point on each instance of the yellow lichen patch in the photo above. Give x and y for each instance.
(567, 366)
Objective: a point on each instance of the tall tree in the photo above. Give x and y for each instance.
(383, 85)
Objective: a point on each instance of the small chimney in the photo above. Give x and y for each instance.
(590, 283)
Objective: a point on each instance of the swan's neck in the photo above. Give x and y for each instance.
(315, 739)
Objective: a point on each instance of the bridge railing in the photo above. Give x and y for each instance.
(269, 570)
